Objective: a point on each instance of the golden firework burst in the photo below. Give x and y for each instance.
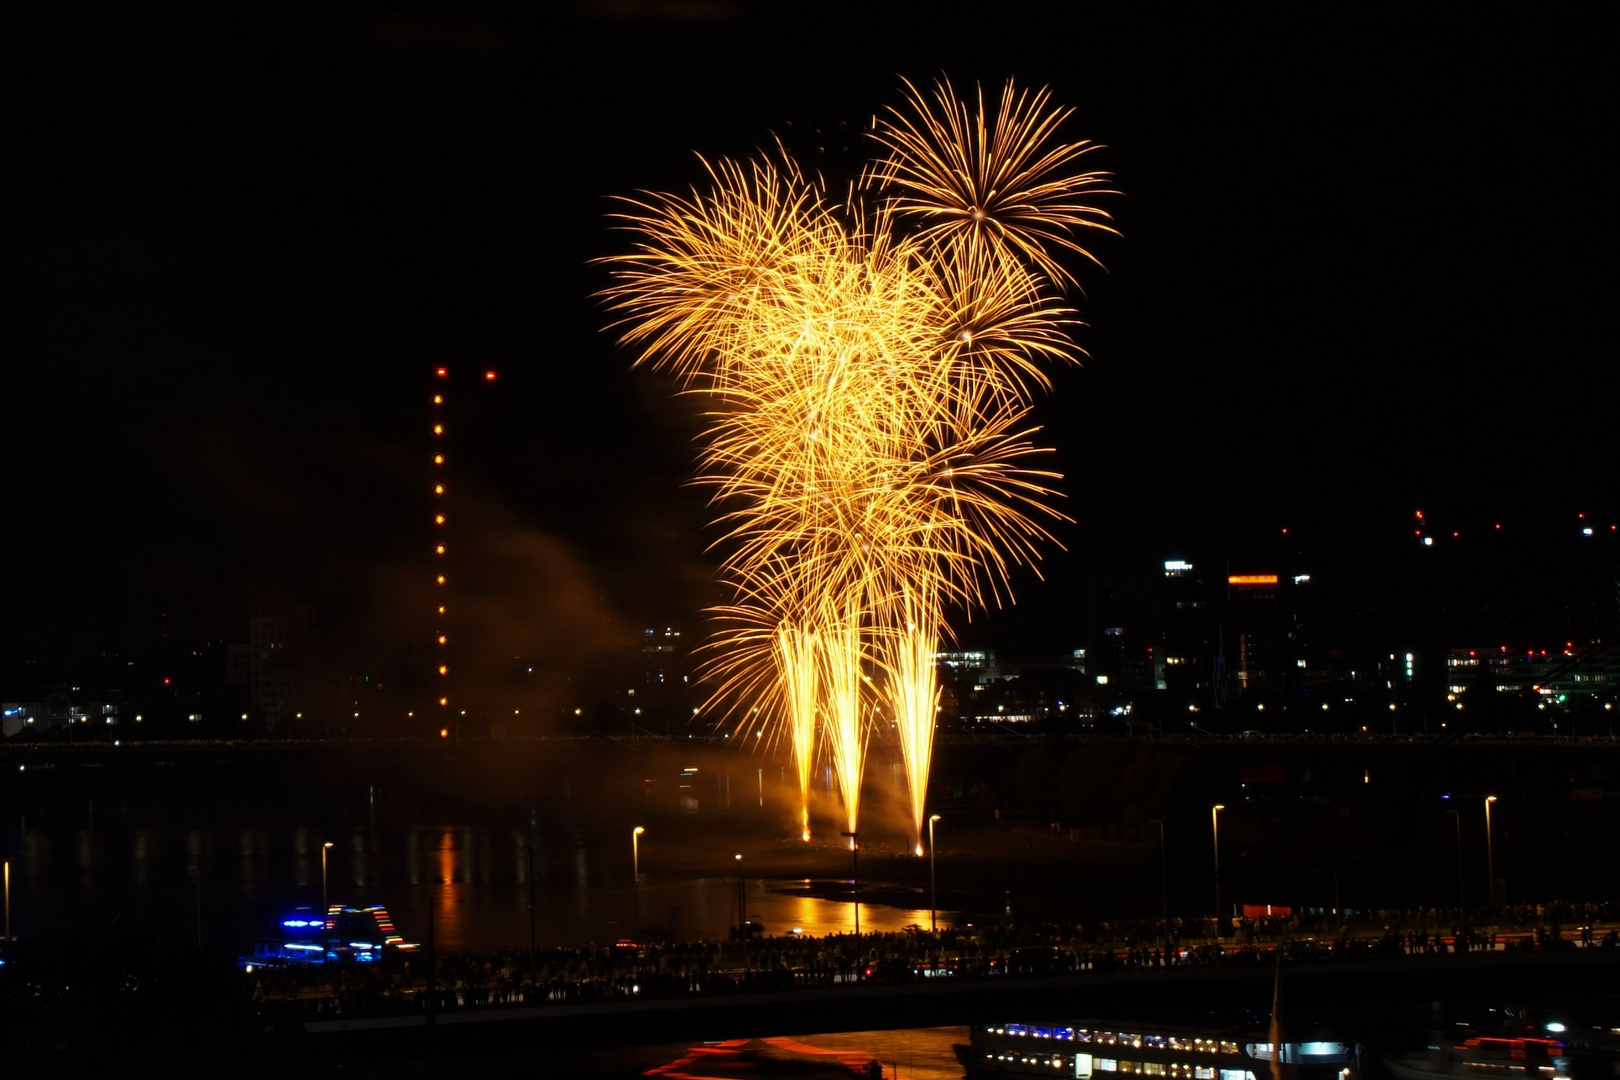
(870, 370)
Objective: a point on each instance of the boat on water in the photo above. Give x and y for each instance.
(1484, 1056)
(1107, 1048)
(344, 934)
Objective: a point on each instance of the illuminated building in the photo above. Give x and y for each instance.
(1190, 639)
(1555, 675)
(271, 666)
(1123, 649)
(660, 702)
(976, 666)
(1259, 625)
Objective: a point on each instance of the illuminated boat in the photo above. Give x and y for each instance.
(1107, 1049)
(346, 934)
(1486, 1056)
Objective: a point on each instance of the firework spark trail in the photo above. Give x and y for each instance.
(913, 685)
(871, 370)
(797, 658)
(843, 654)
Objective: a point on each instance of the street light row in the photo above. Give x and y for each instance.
(933, 882)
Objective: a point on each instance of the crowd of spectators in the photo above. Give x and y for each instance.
(669, 969)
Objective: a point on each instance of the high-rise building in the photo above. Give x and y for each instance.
(276, 657)
(1191, 638)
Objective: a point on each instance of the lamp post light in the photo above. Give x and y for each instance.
(8, 899)
(933, 881)
(1164, 886)
(1456, 817)
(742, 899)
(1215, 832)
(855, 870)
(1490, 858)
(635, 852)
(325, 906)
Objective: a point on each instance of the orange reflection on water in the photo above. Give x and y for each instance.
(783, 913)
(446, 897)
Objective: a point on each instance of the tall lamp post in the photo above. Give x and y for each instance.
(742, 900)
(325, 906)
(933, 882)
(1490, 858)
(855, 869)
(1164, 886)
(8, 899)
(1215, 832)
(1456, 817)
(635, 871)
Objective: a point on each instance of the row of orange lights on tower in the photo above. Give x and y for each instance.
(438, 521)
(441, 637)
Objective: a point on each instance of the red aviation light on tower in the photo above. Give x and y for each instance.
(489, 376)
(443, 373)
(1251, 579)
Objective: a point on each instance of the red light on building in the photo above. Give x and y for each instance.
(165, 680)
(489, 376)
(1251, 579)
(442, 372)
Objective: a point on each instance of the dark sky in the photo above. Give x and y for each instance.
(1361, 272)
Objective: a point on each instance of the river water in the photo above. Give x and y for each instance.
(232, 884)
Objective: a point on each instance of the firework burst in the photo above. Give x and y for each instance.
(870, 365)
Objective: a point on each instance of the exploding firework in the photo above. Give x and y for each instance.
(870, 371)
(1002, 183)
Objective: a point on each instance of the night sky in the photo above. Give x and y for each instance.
(1364, 262)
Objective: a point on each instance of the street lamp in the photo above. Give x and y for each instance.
(933, 882)
(855, 870)
(1215, 832)
(1164, 887)
(325, 907)
(1490, 858)
(742, 899)
(1456, 817)
(635, 852)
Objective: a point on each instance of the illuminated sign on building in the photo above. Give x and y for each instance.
(1177, 566)
(1251, 579)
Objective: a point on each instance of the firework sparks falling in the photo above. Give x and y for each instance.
(843, 653)
(914, 692)
(871, 371)
(797, 660)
